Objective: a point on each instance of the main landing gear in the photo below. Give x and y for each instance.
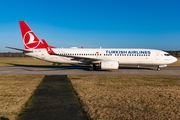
(92, 67)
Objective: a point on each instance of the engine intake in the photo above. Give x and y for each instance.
(110, 64)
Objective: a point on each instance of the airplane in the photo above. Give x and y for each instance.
(105, 58)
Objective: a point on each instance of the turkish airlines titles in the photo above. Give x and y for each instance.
(128, 52)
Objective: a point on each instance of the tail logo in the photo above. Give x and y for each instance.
(30, 40)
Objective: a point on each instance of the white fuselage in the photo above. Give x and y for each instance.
(123, 56)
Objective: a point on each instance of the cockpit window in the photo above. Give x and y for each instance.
(167, 54)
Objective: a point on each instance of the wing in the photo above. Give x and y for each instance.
(78, 58)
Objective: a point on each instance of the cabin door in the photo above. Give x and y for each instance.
(42, 55)
(157, 56)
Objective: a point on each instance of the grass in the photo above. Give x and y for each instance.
(15, 90)
(53, 100)
(102, 97)
(9, 61)
(129, 97)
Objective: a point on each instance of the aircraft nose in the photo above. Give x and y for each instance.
(174, 59)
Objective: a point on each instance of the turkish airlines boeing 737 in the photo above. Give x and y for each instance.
(106, 58)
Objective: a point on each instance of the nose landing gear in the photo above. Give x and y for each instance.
(158, 68)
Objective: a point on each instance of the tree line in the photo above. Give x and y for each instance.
(11, 54)
(174, 53)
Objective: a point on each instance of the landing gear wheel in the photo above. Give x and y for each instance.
(158, 69)
(91, 68)
(94, 67)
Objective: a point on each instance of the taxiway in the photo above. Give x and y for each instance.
(83, 70)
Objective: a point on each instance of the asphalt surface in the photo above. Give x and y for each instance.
(54, 99)
(83, 70)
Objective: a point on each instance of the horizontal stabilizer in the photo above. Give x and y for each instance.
(25, 51)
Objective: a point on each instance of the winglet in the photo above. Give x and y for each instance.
(48, 48)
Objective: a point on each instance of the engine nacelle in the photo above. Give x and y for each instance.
(110, 64)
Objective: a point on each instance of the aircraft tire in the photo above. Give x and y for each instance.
(158, 69)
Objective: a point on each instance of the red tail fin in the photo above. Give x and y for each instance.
(31, 41)
(48, 48)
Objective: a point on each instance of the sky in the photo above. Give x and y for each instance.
(153, 24)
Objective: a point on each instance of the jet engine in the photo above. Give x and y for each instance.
(110, 64)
